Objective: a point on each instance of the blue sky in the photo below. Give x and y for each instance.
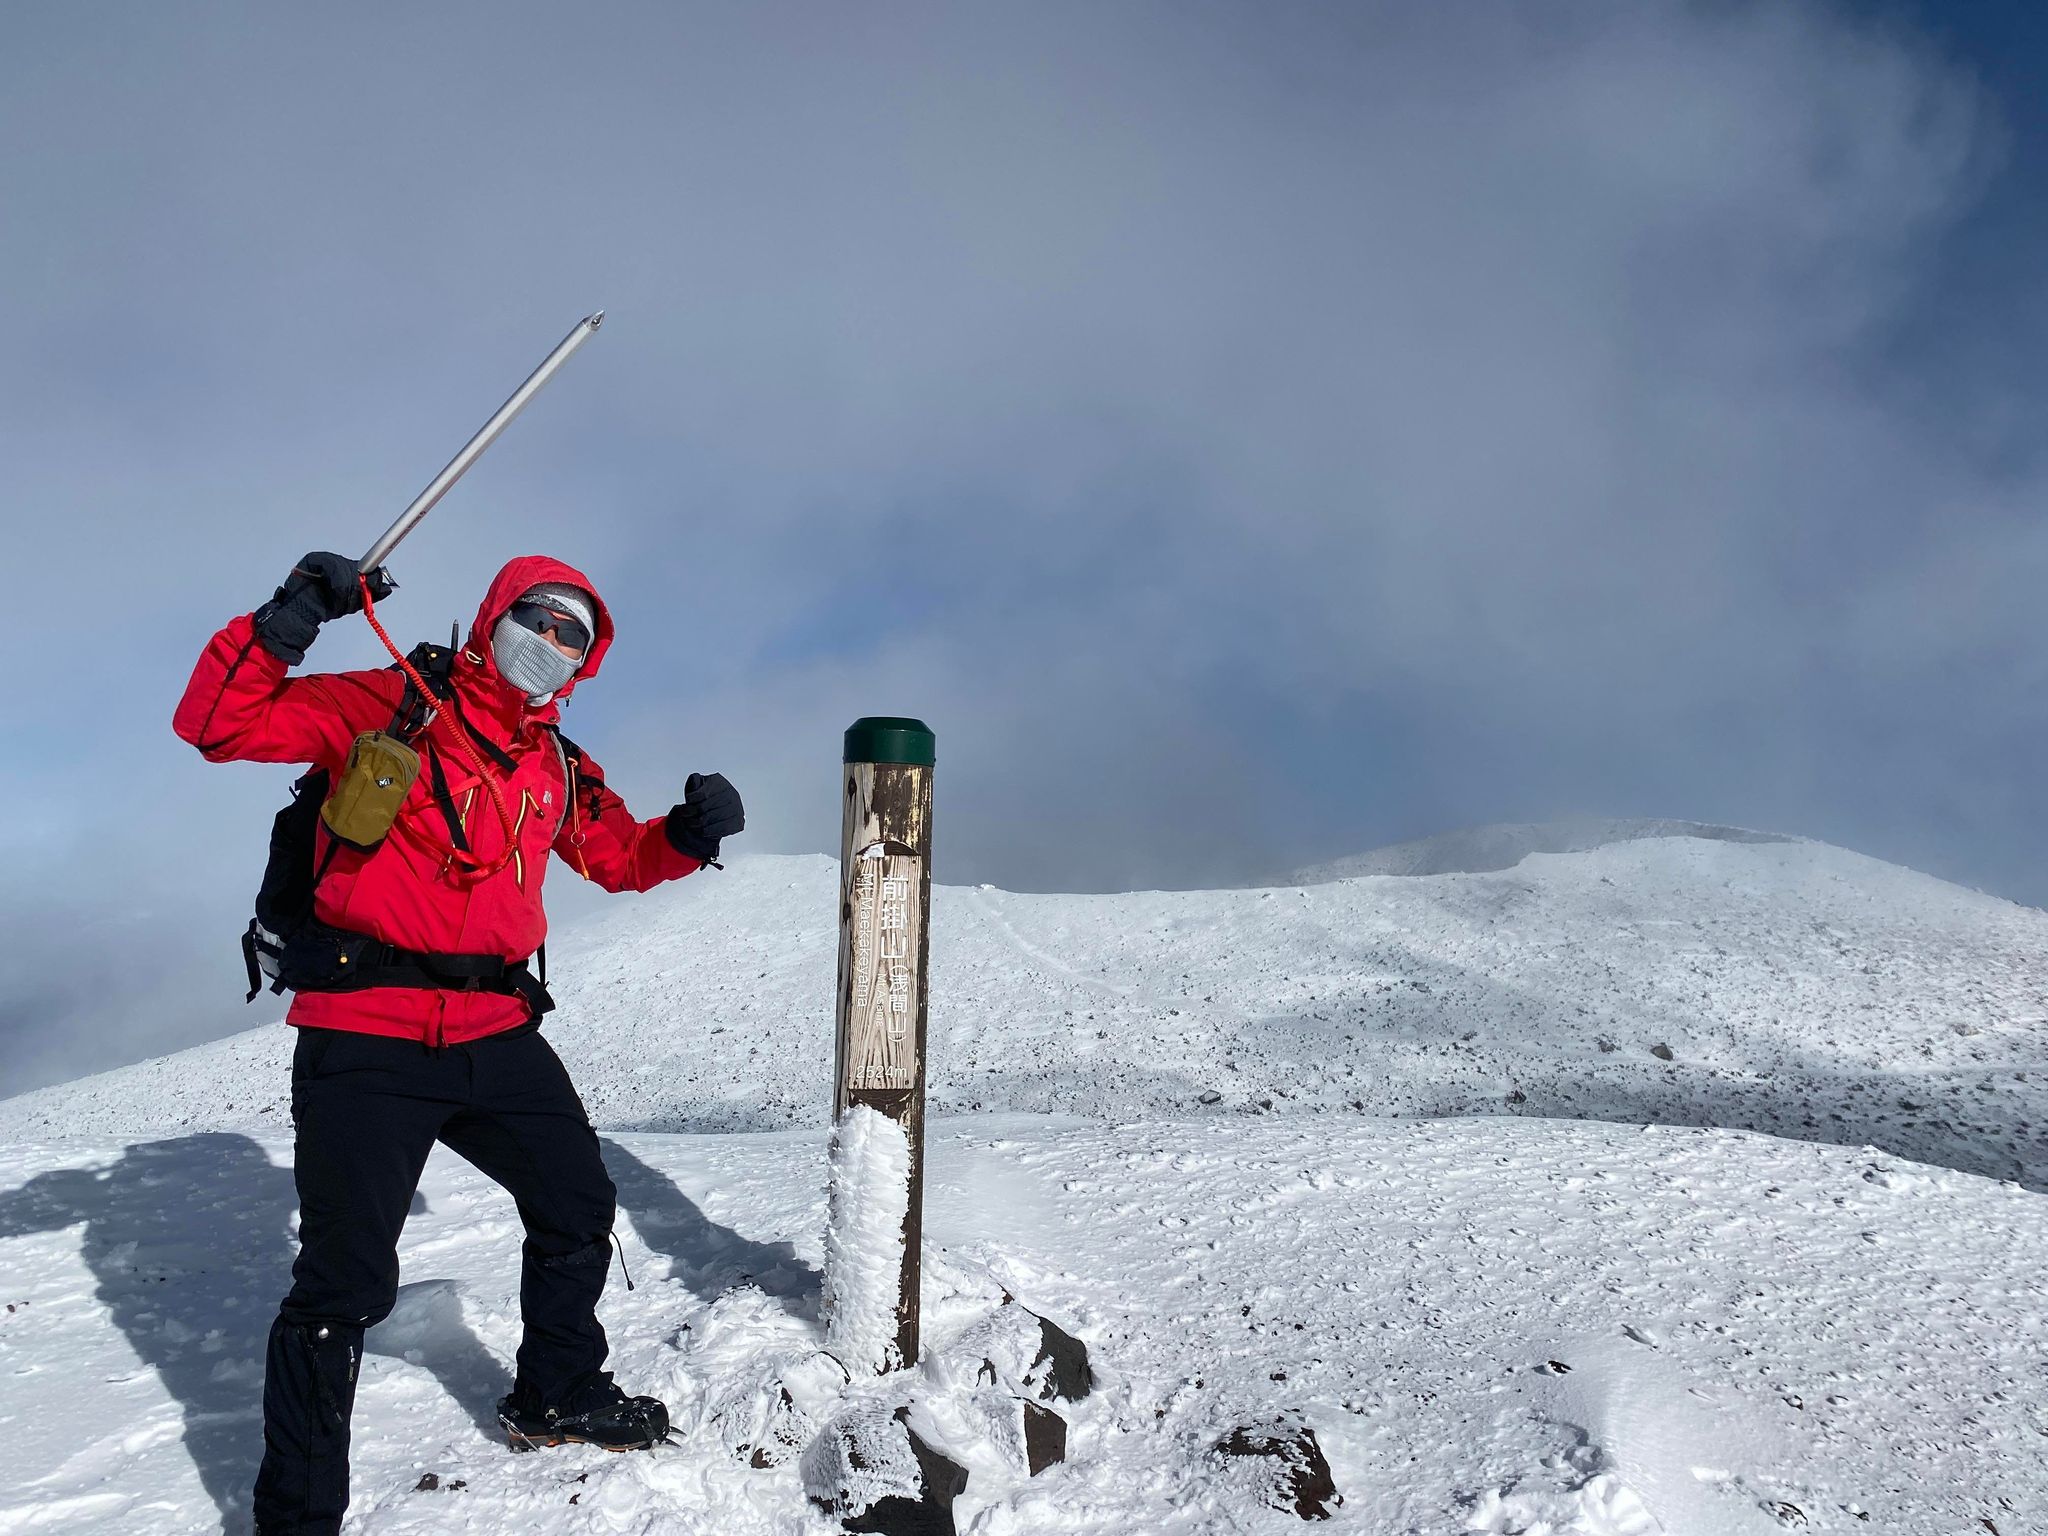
(1982, 312)
(1248, 434)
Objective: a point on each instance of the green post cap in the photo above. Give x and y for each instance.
(890, 739)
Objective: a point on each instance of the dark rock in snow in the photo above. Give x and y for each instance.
(1300, 1475)
(878, 1475)
(1045, 1437)
(1061, 1368)
(1661, 1052)
(941, 1480)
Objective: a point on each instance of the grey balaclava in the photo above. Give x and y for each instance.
(530, 662)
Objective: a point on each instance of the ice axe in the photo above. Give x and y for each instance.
(472, 450)
(409, 519)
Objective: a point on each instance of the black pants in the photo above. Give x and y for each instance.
(368, 1110)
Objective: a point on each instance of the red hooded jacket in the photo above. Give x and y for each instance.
(241, 706)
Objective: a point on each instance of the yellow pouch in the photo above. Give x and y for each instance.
(372, 786)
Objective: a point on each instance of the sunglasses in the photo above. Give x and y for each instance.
(541, 619)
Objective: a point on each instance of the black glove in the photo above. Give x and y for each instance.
(710, 810)
(321, 587)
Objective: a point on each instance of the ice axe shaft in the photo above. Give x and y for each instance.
(472, 450)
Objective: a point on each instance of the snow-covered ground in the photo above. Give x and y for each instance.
(1164, 1121)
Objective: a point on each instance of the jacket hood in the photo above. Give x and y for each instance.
(521, 575)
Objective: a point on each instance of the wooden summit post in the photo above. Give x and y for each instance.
(885, 902)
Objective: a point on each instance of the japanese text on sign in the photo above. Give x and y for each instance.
(881, 1036)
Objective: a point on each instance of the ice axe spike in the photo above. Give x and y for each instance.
(472, 450)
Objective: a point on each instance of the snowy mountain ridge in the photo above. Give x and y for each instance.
(1788, 987)
(1251, 1146)
(1503, 845)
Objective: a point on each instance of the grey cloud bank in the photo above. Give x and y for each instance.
(1249, 435)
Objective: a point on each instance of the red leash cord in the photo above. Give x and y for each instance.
(478, 872)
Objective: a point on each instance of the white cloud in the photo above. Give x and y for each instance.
(1332, 418)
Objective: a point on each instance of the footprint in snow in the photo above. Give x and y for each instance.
(1603, 1505)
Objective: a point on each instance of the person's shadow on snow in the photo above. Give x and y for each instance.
(426, 1330)
(191, 1242)
(708, 1258)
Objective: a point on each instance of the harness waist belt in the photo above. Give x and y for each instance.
(322, 958)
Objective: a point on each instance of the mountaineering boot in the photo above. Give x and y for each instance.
(591, 1411)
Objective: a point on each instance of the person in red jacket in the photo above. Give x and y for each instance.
(418, 1016)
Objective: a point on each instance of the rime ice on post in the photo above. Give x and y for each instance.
(864, 1240)
(885, 899)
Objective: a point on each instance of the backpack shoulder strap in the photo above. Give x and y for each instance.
(573, 775)
(436, 665)
(571, 758)
(572, 755)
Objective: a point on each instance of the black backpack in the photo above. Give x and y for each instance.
(284, 901)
